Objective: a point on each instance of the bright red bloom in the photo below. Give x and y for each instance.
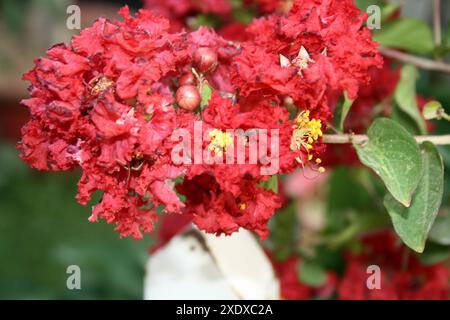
(218, 210)
(316, 47)
(224, 197)
(105, 103)
(101, 103)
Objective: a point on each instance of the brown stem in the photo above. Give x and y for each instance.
(362, 138)
(422, 63)
(437, 22)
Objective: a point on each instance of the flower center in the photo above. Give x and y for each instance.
(306, 132)
(301, 61)
(101, 85)
(220, 141)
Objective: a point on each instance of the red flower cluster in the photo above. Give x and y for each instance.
(110, 100)
(101, 103)
(291, 288)
(318, 46)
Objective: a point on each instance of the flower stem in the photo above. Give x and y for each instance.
(422, 63)
(362, 138)
(445, 116)
(437, 22)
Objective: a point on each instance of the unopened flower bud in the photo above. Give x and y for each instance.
(205, 60)
(188, 79)
(188, 97)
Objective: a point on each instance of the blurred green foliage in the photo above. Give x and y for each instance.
(43, 230)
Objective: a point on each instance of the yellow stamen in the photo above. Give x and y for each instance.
(242, 206)
(306, 132)
(219, 141)
(101, 85)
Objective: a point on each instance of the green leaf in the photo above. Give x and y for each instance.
(388, 10)
(363, 4)
(270, 184)
(435, 253)
(440, 233)
(404, 120)
(343, 110)
(208, 20)
(414, 223)
(206, 94)
(312, 274)
(405, 96)
(283, 234)
(406, 33)
(394, 155)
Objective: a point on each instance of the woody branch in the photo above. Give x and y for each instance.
(362, 138)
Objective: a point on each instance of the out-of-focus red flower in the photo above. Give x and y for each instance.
(170, 225)
(178, 11)
(290, 286)
(234, 31)
(293, 289)
(179, 8)
(402, 275)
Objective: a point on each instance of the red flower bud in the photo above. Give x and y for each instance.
(205, 60)
(188, 79)
(188, 97)
(288, 101)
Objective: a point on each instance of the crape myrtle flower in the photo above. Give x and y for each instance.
(220, 211)
(317, 46)
(222, 197)
(103, 103)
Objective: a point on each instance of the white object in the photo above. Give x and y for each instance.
(195, 265)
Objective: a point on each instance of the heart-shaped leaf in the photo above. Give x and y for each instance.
(394, 155)
(414, 223)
